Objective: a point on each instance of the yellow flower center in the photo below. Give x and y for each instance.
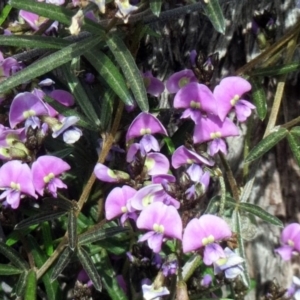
(215, 135)
(234, 100)
(189, 161)
(147, 200)
(183, 81)
(28, 113)
(124, 209)
(195, 105)
(111, 174)
(208, 240)
(48, 177)
(158, 228)
(15, 186)
(290, 243)
(145, 131)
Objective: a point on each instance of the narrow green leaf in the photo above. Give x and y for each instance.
(21, 284)
(90, 268)
(266, 144)
(107, 107)
(279, 70)
(80, 95)
(13, 256)
(14, 236)
(259, 98)
(7, 270)
(100, 234)
(295, 131)
(33, 41)
(155, 6)
(58, 13)
(41, 217)
(213, 205)
(293, 141)
(62, 262)
(110, 73)
(170, 145)
(52, 288)
(4, 13)
(31, 286)
(48, 63)
(47, 238)
(130, 70)
(72, 229)
(67, 112)
(214, 12)
(62, 204)
(190, 266)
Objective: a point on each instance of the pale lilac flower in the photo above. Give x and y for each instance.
(161, 221)
(56, 2)
(170, 267)
(231, 265)
(156, 163)
(294, 289)
(31, 18)
(45, 171)
(206, 280)
(213, 129)
(63, 124)
(205, 232)
(72, 135)
(105, 174)
(180, 79)
(150, 292)
(196, 99)
(26, 107)
(118, 203)
(228, 95)
(15, 180)
(290, 238)
(153, 85)
(125, 9)
(46, 82)
(100, 4)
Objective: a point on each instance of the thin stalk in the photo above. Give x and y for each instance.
(291, 123)
(223, 195)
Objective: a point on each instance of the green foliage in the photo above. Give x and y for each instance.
(155, 6)
(214, 12)
(259, 98)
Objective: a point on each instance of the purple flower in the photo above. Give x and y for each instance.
(212, 128)
(153, 86)
(206, 280)
(16, 180)
(170, 267)
(231, 265)
(26, 106)
(156, 164)
(161, 221)
(63, 97)
(195, 98)
(105, 174)
(179, 80)
(71, 134)
(205, 232)
(9, 66)
(31, 18)
(228, 95)
(45, 171)
(290, 238)
(118, 203)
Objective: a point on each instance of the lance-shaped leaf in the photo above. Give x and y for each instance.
(47, 238)
(155, 6)
(214, 12)
(62, 262)
(38, 218)
(14, 236)
(31, 286)
(72, 229)
(266, 144)
(100, 234)
(110, 73)
(21, 284)
(279, 70)
(259, 98)
(62, 204)
(33, 41)
(80, 95)
(90, 268)
(130, 70)
(52, 288)
(213, 205)
(48, 63)
(295, 131)
(58, 13)
(13, 256)
(294, 144)
(190, 266)
(4, 13)
(107, 107)
(67, 112)
(7, 270)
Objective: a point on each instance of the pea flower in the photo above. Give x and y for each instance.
(195, 98)
(229, 95)
(294, 290)
(15, 180)
(106, 174)
(151, 292)
(180, 79)
(290, 238)
(45, 172)
(125, 9)
(145, 125)
(161, 221)
(205, 232)
(153, 85)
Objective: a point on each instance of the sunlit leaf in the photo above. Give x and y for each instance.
(14, 236)
(47, 238)
(266, 144)
(41, 217)
(90, 268)
(31, 286)
(214, 12)
(62, 262)
(107, 106)
(155, 6)
(100, 234)
(190, 266)
(21, 284)
(13, 256)
(130, 70)
(279, 70)
(295, 131)
(294, 144)
(48, 63)
(7, 270)
(259, 98)
(4, 13)
(72, 229)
